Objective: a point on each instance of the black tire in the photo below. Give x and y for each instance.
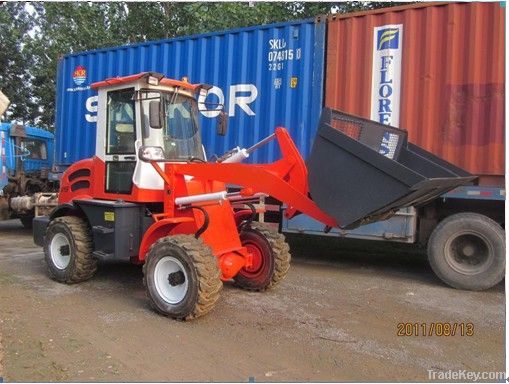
(467, 251)
(197, 267)
(81, 264)
(26, 221)
(273, 253)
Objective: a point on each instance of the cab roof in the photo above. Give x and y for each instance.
(132, 78)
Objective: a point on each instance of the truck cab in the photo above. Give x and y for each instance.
(26, 157)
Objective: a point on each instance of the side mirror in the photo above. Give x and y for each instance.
(222, 124)
(155, 114)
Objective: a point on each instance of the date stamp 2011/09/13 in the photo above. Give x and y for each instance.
(435, 329)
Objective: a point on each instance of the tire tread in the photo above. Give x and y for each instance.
(280, 250)
(481, 223)
(207, 270)
(85, 265)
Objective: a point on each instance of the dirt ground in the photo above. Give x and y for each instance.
(333, 319)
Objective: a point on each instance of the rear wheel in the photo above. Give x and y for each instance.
(68, 250)
(271, 257)
(182, 277)
(467, 251)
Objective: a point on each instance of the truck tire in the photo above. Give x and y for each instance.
(68, 246)
(182, 277)
(271, 257)
(467, 251)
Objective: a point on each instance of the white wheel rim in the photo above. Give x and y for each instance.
(60, 251)
(172, 294)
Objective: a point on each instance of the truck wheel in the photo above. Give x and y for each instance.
(26, 221)
(271, 257)
(182, 277)
(467, 251)
(68, 249)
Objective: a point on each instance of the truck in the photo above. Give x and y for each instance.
(412, 67)
(284, 74)
(25, 162)
(150, 196)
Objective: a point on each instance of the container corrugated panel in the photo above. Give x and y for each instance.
(269, 75)
(452, 77)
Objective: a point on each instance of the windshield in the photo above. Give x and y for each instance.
(179, 136)
(34, 148)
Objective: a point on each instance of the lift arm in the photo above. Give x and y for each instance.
(284, 179)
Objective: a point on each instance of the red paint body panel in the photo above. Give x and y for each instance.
(452, 80)
(96, 185)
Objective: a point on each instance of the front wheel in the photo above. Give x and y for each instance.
(467, 251)
(182, 277)
(271, 257)
(68, 249)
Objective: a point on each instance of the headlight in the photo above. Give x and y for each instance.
(150, 153)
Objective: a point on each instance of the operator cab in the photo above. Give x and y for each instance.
(150, 115)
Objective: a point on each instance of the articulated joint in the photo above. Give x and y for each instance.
(231, 263)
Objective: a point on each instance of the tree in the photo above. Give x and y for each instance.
(66, 28)
(14, 74)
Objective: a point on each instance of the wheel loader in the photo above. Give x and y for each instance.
(150, 196)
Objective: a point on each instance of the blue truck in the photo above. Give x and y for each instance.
(26, 155)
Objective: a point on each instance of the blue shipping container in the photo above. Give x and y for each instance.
(267, 76)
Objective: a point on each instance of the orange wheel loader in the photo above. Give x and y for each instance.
(150, 196)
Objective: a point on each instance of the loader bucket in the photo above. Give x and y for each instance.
(360, 171)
